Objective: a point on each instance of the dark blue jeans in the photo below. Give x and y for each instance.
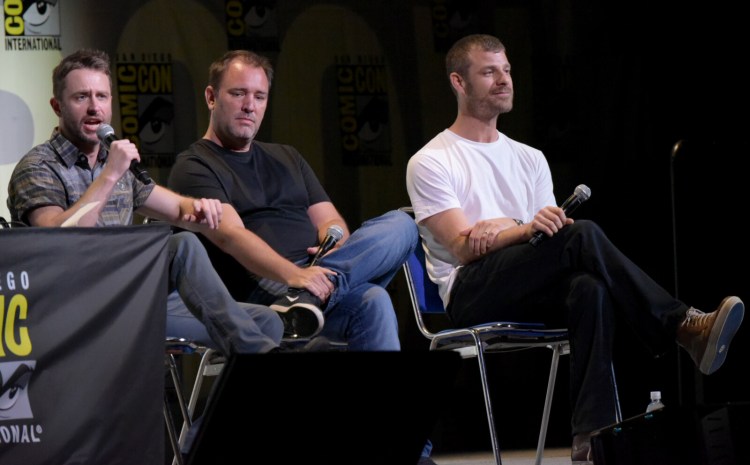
(360, 310)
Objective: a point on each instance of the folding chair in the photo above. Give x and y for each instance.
(210, 365)
(475, 341)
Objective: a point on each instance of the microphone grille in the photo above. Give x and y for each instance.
(583, 191)
(104, 130)
(336, 232)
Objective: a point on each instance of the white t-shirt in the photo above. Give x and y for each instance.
(501, 179)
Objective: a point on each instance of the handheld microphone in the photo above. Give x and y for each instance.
(106, 135)
(580, 195)
(333, 235)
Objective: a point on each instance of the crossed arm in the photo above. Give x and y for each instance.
(469, 242)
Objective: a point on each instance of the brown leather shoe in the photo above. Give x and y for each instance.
(580, 452)
(706, 336)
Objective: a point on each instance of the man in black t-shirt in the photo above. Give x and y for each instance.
(277, 214)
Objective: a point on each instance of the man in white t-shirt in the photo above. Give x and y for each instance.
(479, 198)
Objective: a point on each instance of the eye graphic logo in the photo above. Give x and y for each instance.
(31, 25)
(42, 18)
(37, 18)
(14, 392)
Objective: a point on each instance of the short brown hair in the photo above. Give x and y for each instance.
(219, 67)
(457, 58)
(82, 59)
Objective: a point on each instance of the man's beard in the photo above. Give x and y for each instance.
(487, 109)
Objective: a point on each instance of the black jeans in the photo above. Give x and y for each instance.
(576, 279)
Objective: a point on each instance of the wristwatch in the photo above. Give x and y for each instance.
(518, 222)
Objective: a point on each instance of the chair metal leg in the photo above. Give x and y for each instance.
(618, 411)
(171, 431)
(487, 400)
(556, 351)
(177, 386)
(205, 368)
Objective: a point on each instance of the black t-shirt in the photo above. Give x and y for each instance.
(271, 187)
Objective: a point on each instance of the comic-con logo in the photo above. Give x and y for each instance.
(14, 393)
(14, 404)
(252, 25)
(145, 90)
(15, 375)
(364, 123)
(31, 24)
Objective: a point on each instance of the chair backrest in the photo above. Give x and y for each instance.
(425, 291)
(424, 294)
(425, 298)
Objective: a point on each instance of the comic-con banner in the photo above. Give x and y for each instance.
(451, 20)
(82, 321)
(145, 92)
(252, 25)
(31, 25)
(362, 87)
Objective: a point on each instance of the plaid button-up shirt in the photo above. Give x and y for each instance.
(57, 173)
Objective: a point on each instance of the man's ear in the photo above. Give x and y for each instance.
(457, 82)
(210, 97)
(55, 106)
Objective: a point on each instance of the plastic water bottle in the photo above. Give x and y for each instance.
(655, 403)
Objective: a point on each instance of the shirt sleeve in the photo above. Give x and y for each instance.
(315, 191)
(32, 185)
(428, 187)
(191, 176)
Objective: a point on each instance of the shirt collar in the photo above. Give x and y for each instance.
(69, 152)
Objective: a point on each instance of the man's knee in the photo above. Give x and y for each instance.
(586, 227)
(398, 222)
(403, 226)
(587, 232)
(404, 222)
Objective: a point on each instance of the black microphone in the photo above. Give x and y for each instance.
(333, 235)
(106, 135)
(580, 195)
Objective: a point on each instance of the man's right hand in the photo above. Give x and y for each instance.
(315, 280)
(121, 154)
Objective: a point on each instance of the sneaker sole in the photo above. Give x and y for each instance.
(731, 312)
(306, 319)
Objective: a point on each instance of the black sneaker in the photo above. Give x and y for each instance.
(300, 312)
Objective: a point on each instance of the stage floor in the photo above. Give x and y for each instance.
(520, 457)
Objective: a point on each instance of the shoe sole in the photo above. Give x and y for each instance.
(731, 312)
(305, 319)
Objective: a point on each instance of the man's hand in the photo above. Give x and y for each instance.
(315, 280)
(121, 154)
(481, 236)
(550, 220)
(205, 211)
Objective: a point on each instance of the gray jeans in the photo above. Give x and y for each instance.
(200, 308)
